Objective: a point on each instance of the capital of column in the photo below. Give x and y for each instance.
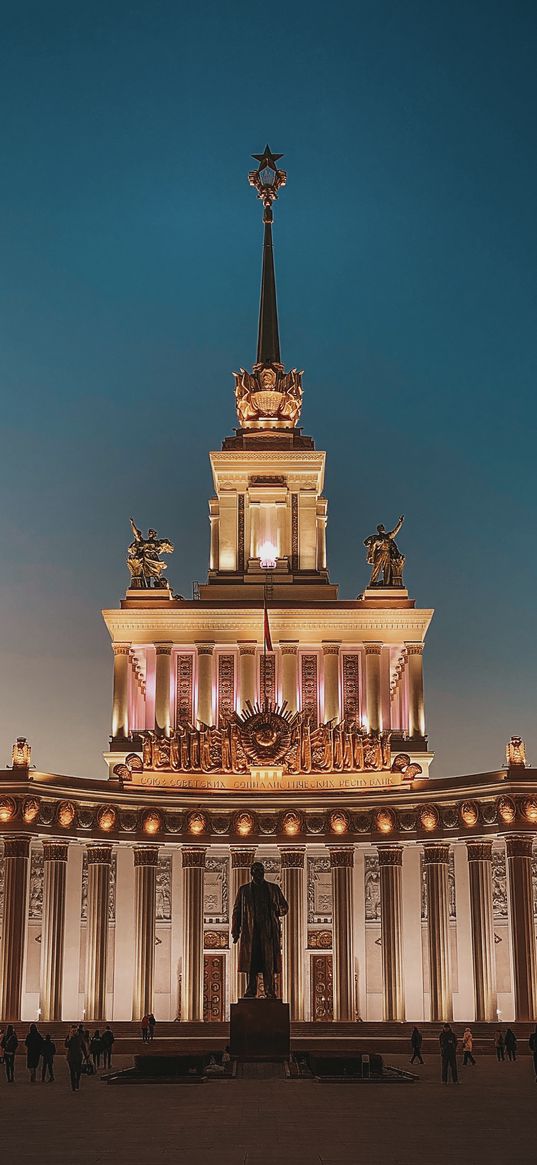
(121, 648)
(163, 648)
(330, 648)
(292, 859)
(247, 647)
(17, 846)
(341, 857)
(288, 646)
(193, 858)
(241, 859)
(99, 855)
(435, 854)
(479, 851)
(55, 851)
(414, 648)
(205, 648)
(373, 648)
(519, 845)
(146, 855)
(391, 855)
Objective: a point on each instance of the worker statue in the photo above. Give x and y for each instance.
(259, 905)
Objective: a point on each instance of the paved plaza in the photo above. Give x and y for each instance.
(274, 1122)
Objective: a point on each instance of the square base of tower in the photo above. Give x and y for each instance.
(260, 1029)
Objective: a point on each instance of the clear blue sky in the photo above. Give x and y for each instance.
(406, 263)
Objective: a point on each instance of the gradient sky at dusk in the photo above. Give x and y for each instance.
(406, 251)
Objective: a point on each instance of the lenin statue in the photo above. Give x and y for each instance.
(259, 905)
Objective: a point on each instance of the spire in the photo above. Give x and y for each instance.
(267, 180)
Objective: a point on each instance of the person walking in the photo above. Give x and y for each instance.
(467, 1047)
(510, 1044)
(96, 1048)
(145, 1029)
(416, 1040)
(499, 1044)
(152, 1025)
(76, 1053)
(107, 1039)
(448, 1051)
(34, 1044)
(10, 1044)
(48, 1053)
(533, 1049)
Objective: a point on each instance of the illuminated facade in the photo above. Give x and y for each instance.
(267, 717)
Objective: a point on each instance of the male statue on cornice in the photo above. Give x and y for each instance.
(384, 557)
(143, 558)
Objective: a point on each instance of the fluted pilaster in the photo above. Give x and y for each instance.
(120, 699)
(341, 864)
(289, 654)
(192, 983)
(163, 687)
(331, 681)
(416, 707)
(294, 943)
(145, 887)
(241, 862)
(391, 899)
(99, 862)
(204, 703)
(436, 858)
(480, 878)
(247, 674)
(52, 934)
(519, 855)
(16, 855)
(372, 684)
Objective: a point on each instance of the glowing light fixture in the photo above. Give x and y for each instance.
(291, 824)
(339, 822)
(196, 823)
(244, 824)
(152, 822)
(506, 809)
(7, 809)
(268, 554)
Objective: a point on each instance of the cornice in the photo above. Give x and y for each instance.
(331, 623)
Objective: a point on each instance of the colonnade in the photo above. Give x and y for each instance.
(375, 683)
(293, 864)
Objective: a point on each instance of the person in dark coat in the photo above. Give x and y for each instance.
(96, 1048)
(152, 1025)
(448, 1051)
(76, 1053)
(416, 1040)
(107, 1039)
(34, 1044)
(259, 905)
(48, 1053)
(10, 1044)
(533, 1049)
(499, 1044)
(510, 1044)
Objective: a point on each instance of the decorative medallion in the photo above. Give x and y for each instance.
(408, 820)
(174, 822)
(152, 821)
(429, 818)
(128, 820)
(265, 734)
(30, 809)
(46, 812)
(385, 820)
(319, 940)
(243, 823)
(216, 940)
(196, 822)
(268, 823)
(489, 812)
(66, 814)
(221, 823)
(507, 810)
(106, 818)
(339, 822)
(8, 809)
(469, 813)
(529, 809)
(85, 817)
(362, 822)
(315, 823)
(291, 823)
(449, 818)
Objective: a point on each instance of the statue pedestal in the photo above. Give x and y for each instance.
(259, 1029)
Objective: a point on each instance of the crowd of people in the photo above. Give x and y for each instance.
(84, 1052)
(505, 1043)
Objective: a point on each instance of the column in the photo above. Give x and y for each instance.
(331, 710)
(120, 699)
(436, 859)
(372, 684)
(241, 861)
(416, 709)
(341, 863)
(480, 872)
(16, 862)
(391, 902)
(322, 508)
(162, 687)
(99, 862)
(247, 677)
(145, 886)
(72, 1004)
(214, 510)
(289, 652)
(124, 930)
(192, 981)
(519, 852)
(53, 928)
(204, 703)
(412, 946)
(294, 941)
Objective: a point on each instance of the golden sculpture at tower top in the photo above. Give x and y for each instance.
(268, 397)
(384, 556)
(143, 558)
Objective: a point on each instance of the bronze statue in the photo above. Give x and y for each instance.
(384, 557)
(259, 905)
(143, 559)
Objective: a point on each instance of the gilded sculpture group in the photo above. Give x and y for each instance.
(268, 736)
